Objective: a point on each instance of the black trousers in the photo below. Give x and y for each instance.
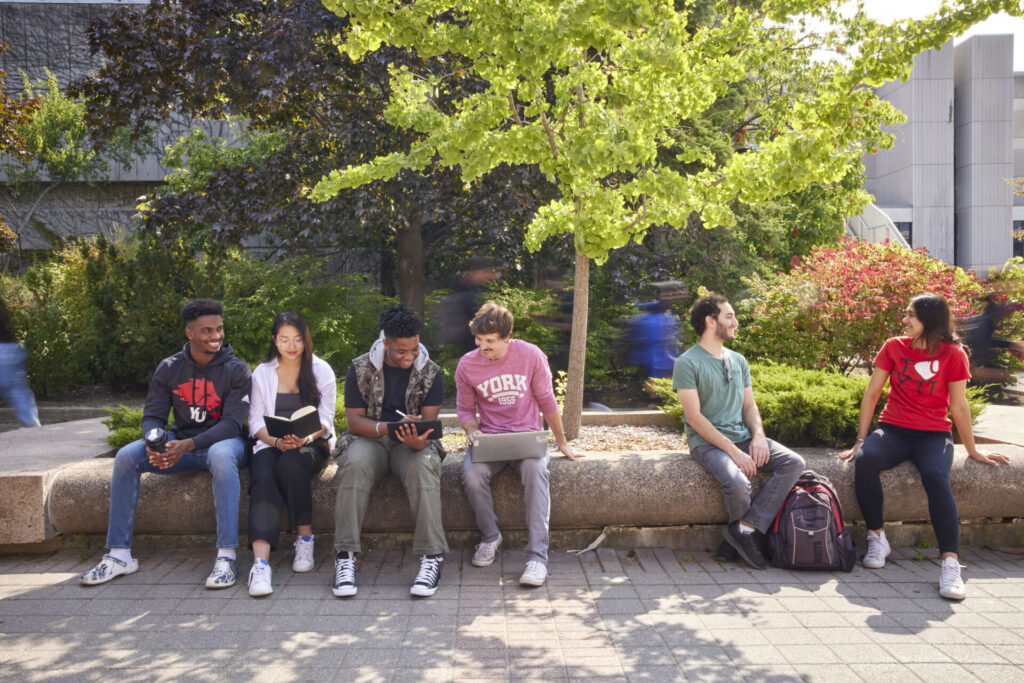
(278, 479)
(932, 455)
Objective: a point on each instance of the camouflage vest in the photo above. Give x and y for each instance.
(370, 381)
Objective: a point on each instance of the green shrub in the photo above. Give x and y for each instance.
(341, 314)
(805, 407)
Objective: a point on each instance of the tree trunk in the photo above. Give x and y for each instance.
(410, 263)
(573, 410)
(387, 271)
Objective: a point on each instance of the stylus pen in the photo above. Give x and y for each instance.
(401, 413)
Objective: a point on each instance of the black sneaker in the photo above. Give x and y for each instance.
(726, 553)
(426, 581)
(344, 576)
(745, 545)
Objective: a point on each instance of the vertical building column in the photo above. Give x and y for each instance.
(983, 151)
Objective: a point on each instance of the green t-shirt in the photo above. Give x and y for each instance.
(721, 401)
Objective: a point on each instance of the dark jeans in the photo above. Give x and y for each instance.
(278, 479)
(932, 455)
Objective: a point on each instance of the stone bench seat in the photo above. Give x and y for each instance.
(654, 489)
(54, 484)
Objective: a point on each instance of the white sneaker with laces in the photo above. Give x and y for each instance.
(535, 574)
(428, 577)
(878, 550)
(109, 568)
(259, 579)
(303, 561)
(485, 551)
(951, 585)
(344, 576)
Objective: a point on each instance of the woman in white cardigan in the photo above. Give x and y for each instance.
(282, 469)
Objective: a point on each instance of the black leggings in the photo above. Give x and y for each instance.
(277, 479)
(932, 454)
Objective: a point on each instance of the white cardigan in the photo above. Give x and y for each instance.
(264, 397)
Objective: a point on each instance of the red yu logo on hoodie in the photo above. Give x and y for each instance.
(201, 398)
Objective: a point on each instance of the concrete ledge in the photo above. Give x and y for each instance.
(636, 490)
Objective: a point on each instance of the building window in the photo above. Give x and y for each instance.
(1018, 238)
(906, 229)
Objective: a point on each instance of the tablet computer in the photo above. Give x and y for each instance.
(421, 427)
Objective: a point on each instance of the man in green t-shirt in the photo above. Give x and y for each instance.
(724, 432)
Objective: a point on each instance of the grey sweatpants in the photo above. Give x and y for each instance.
(533, 472)
(784, 465)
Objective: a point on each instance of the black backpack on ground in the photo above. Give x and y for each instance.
(808, 532)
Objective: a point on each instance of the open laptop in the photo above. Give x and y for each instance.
(511, 446)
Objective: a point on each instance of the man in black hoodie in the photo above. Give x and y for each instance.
(208, 389)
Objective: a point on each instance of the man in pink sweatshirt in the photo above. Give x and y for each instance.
(504, 386)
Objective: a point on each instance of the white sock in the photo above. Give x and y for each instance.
(879, 534)
(226, 552)
(745, 528)
(123, 554)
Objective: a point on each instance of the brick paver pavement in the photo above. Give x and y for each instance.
(623, 615)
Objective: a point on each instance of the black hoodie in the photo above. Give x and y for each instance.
(210, 402)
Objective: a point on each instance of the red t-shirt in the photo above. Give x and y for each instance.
(918, 383)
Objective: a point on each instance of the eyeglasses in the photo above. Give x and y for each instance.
(725, 370)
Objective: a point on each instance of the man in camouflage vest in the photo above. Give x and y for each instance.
(395, 381)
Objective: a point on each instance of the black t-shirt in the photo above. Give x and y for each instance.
(396, 381)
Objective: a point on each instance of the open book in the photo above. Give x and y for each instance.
(302, 423)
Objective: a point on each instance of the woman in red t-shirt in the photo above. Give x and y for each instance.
(927, 371)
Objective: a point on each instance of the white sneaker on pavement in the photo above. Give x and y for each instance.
(878, 550)
(259, 579)
(303, 561)
(485, 551)
(535, 574)
(108, 569)
(951, 585)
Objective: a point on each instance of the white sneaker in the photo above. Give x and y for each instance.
(878, 550)
(259, 579)
(109, 568)
(484, 555)
(535, 574)
(950, 584)
(303, 561)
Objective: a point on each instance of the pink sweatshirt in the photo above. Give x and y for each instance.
(509, 394)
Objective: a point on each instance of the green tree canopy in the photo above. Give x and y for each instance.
(591, 93)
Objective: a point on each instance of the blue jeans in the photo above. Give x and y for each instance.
(784, 465)
(14, 387)
(223, 459)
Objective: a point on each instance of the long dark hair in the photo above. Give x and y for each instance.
(933, 313)
(307, 380)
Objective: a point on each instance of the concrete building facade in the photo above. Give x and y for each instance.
(946, 182)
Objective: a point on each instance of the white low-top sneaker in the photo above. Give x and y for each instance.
(878, 550)
(303, 561)
(485, 552)
(535, 574)
(109, 568)
(951, 584)
(259, 579)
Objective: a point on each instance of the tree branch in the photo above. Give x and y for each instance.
(551, 136)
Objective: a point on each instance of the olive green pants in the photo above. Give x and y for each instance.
(364, 463)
